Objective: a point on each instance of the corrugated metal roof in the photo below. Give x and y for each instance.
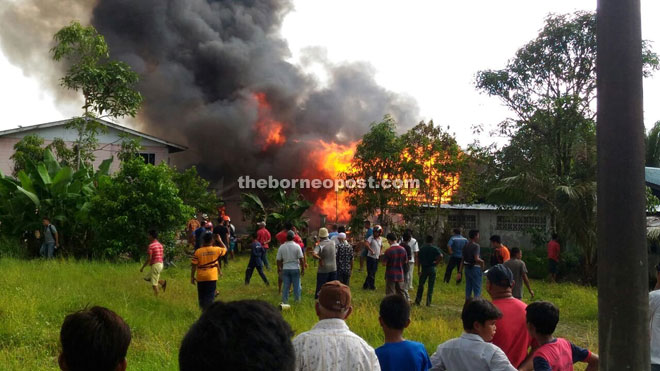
(172, 146)
(652, 175)
(483, 207)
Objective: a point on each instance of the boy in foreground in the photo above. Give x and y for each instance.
(398, 353)
(472, 351)
(553, 353)
(94, 339)
(155, 259)
(205, 262)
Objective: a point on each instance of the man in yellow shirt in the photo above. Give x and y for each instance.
(205, 264)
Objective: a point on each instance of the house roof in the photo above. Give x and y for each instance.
(488, 207)
(652, 177)
(172, 147)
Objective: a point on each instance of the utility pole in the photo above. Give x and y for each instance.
(623, 328)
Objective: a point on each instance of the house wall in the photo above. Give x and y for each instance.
(486, 221)
(109, 145)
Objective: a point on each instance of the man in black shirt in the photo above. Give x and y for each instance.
(221, 235)
(473, 264)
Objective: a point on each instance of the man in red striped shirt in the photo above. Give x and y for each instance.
(395, 260)
(155, 259)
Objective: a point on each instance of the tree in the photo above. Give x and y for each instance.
(550, 161)
(107, 86)
(28, 149)
(653, 146)
(137, 198)
(193, 190)
(377, 157)
(276, 207)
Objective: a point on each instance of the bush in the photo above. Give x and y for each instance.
(136, 199)
(11, 247)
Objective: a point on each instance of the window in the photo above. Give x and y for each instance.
(149, 158)
(520, 222)
(462, 221)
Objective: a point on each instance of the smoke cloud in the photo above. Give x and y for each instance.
(201, 62)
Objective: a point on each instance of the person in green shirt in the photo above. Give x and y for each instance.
(429, 257)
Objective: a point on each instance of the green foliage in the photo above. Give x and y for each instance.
(377, 156)
(137, 198)
(28, 149)
(47, 189)
(275, 207)
(65, 155)
(550, 161)
(652, 142)
(108, 86)
(652, 202)
(193, 190)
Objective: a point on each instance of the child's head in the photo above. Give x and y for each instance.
(153, 234)
(516, 253)
(428, 239)
(542, 318)
(479, 316)
(495, 240)
(207, 238)
(391, 237)
(394, 312)
(94, 339)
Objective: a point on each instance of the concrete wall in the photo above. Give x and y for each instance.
(109, 145)
(486, 223)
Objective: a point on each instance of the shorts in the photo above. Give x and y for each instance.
(232, 245)
(552, 266)
(154, 275)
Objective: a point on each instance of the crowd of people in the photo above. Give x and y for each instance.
(253, 335)
(502, 333)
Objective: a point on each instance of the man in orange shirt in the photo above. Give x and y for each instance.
(500, 252)
(205, 264)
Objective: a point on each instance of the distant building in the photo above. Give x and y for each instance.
(154, 150)
(513, 224)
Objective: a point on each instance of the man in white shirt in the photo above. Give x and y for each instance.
(472, 351)
(409, 240)
(291, 265)
(330, 345)
(654, 315)
(374, 245)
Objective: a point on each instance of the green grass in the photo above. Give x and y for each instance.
(36, 295)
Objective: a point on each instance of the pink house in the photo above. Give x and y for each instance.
(154, 150)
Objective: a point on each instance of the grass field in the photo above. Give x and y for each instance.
(36, 295)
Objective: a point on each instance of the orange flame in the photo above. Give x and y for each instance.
(441, 192)
(333, 159)
(269, 131)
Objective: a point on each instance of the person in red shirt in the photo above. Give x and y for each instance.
(511, 336)
(155, 259)
(553, 257)
(263, 236)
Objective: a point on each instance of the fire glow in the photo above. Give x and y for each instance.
(269, 131)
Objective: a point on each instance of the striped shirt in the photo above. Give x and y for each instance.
(395, 258)
(156, 251)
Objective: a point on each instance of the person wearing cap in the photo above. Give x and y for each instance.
(344, 259)
(326, 254)
(330, 344)
(511, 336)
(395, 260)
(263, 236)
(199, 232)
(374, 244)
(291, 264)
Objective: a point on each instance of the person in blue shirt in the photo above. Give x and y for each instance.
(369, 233)
(256, 261)
(455, 248)
(397, 353)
